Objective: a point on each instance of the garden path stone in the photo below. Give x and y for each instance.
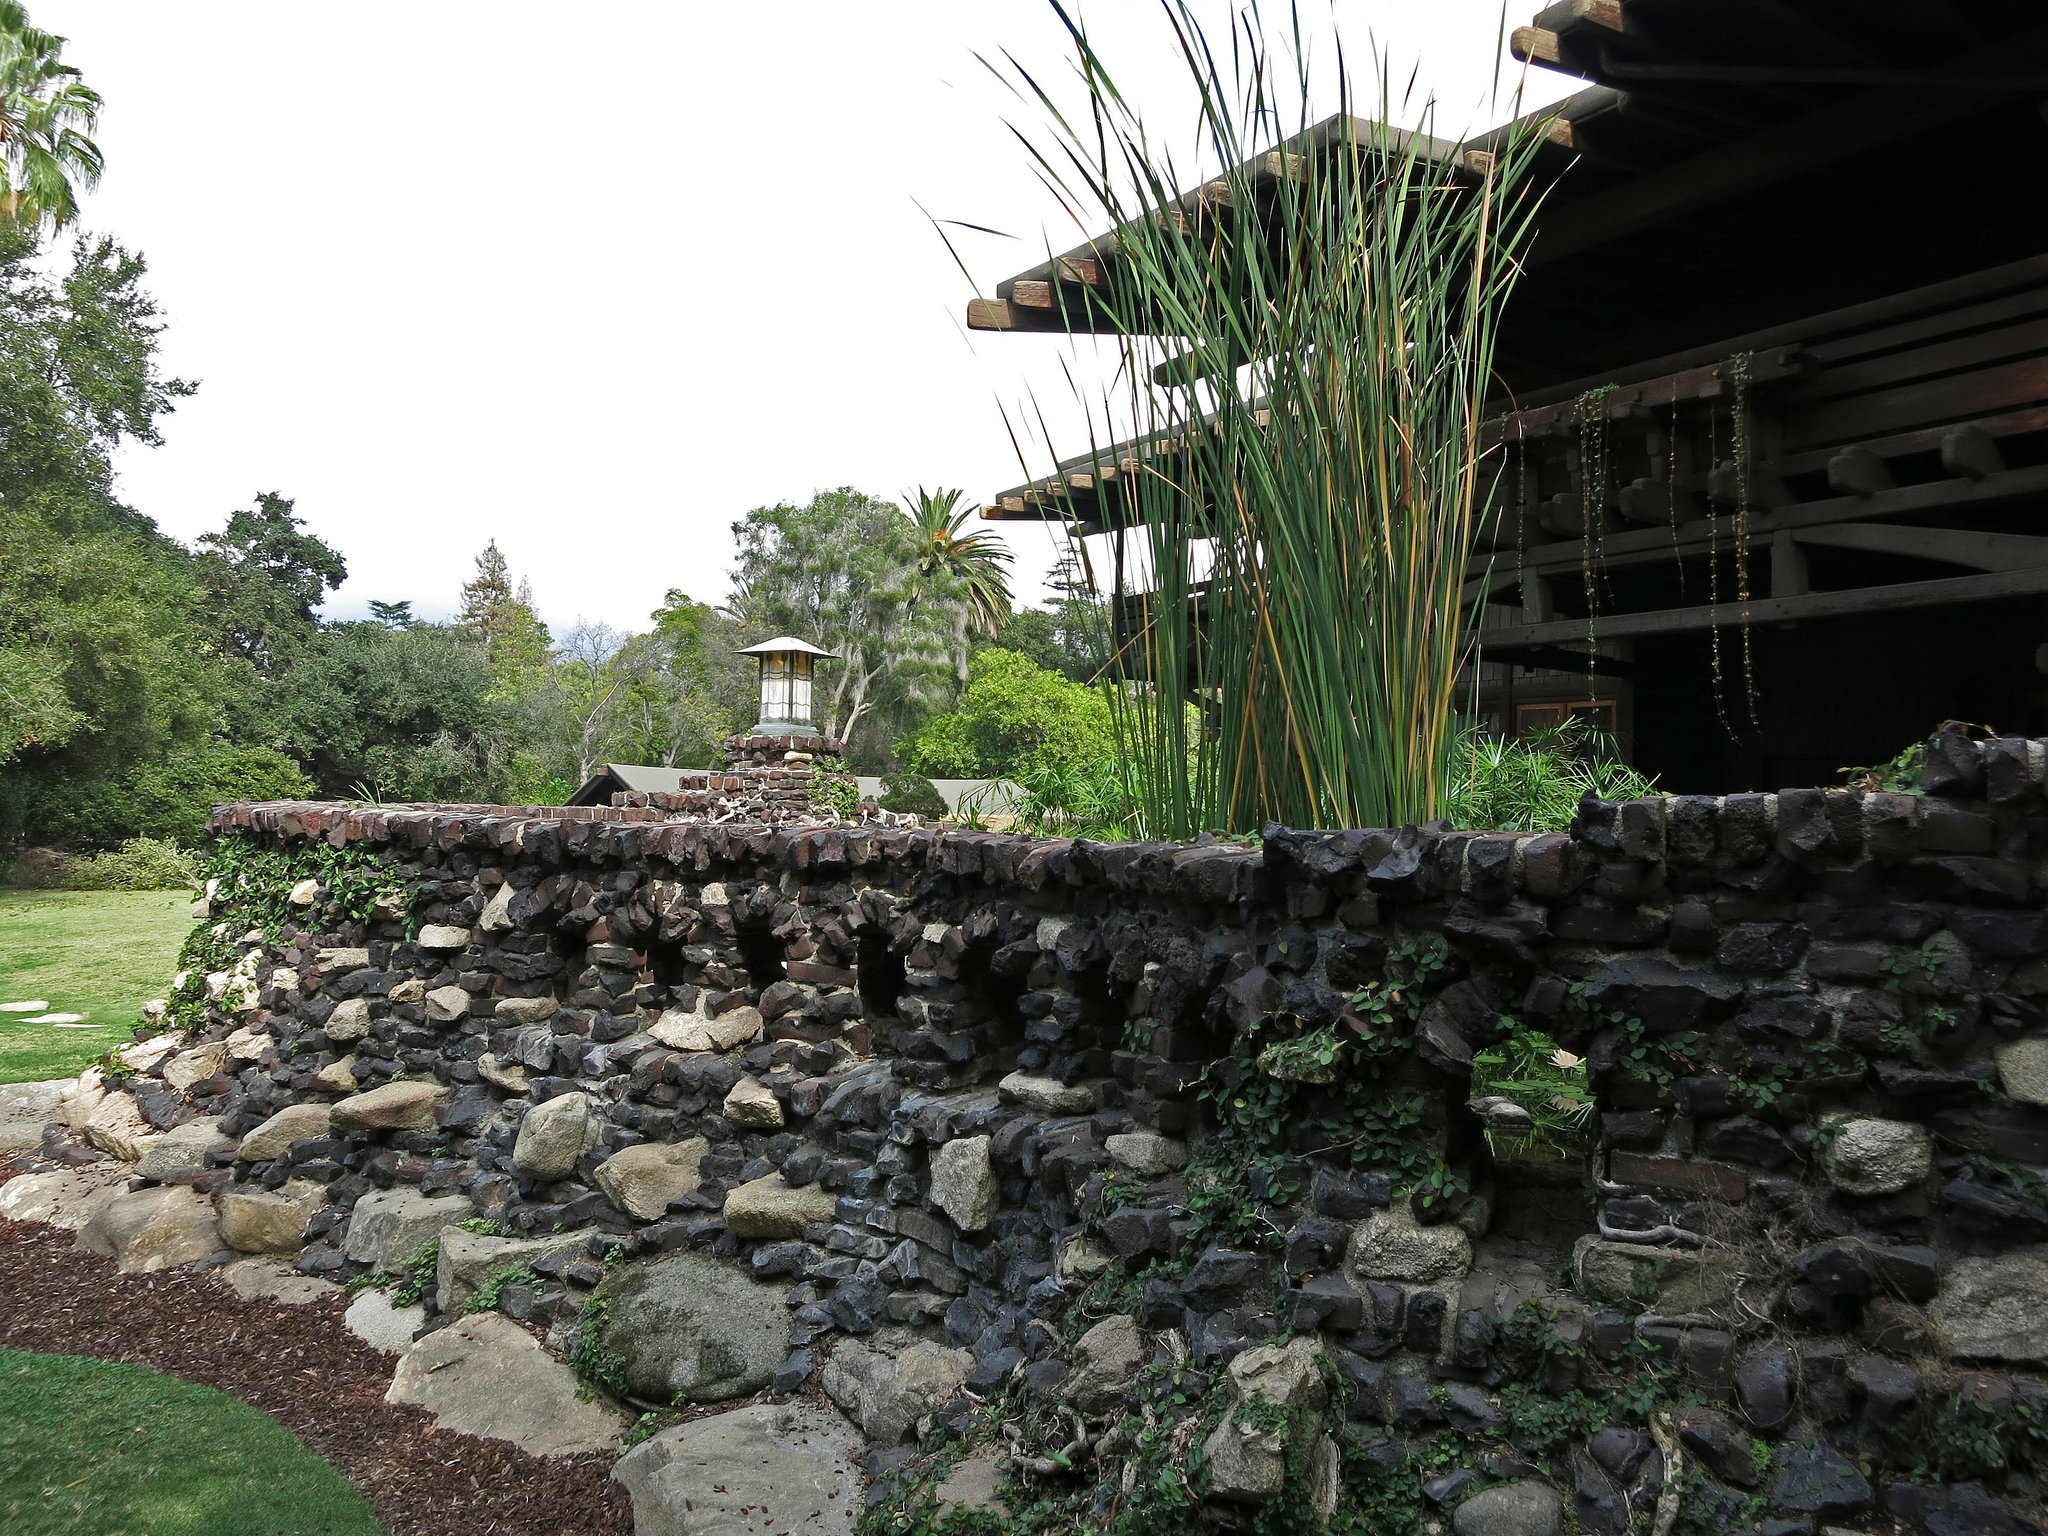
(487, 1376)
(261, 1279)
(469, 1259)
(387, 1228)
(37, 1006)
(382, 1324)
(25, 1108)
(153, 1229)
(62, 1020)
(67, 1198)
(770, 1468)
(694, 1327)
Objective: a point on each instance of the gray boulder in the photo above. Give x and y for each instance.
(468, 1260)
(642, 1180)
(691, 1328)
(25, 1108)
(786, 1467)
(489, 1377)
(67, 1198)
(964, 1182)
(1106, 1359)
(1526, 1508)
(389, 1227)
(182, 1147)
(152, 1229)
(1992, 1308)
(552, 1137)
(886, 1384)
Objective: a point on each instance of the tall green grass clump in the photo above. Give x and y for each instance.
(1304, 346)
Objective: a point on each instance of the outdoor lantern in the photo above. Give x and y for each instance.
(787, 665)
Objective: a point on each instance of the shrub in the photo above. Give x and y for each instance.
(139, 864)
(911, 794)
(1534, 783)
(1015, 715)
(170, 800)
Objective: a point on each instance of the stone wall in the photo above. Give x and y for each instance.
(948, 1117)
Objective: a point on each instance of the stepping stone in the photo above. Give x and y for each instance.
(57, 1018)
(40, 1005)
(62, 1023)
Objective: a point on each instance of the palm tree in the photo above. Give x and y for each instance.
(46, 113)
(967, 567)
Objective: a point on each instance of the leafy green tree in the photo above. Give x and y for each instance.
(171, 798)
(47, 115)
(267, 577)
(842, 572)
(396, 714)
(1014, 716)
(393, 615)
(103, 660)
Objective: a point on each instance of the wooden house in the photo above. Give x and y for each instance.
(1771, 481)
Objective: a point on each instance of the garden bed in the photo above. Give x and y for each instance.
(300, 1365)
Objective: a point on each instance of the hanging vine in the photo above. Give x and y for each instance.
(1738, 411)
(1714, 580)
(1671, 487)
(1591, 415)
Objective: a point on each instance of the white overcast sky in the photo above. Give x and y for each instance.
(594, 280)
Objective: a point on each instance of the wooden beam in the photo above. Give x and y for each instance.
(1779, 610)
(1598, 13)
(989, 315)
(1536, 45)
(1955, 546)
(1693, 538)
(1034, 295)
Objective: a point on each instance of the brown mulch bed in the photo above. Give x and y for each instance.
(302, 1366)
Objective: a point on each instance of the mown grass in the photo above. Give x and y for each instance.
(99, 953)
(93, 1449)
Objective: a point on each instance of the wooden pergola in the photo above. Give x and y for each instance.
(1774, 387)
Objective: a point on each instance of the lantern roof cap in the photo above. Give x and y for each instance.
(786, 643)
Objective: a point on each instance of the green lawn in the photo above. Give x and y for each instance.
(100, 953)
(92, 1449)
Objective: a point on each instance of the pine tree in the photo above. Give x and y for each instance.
(503, 621)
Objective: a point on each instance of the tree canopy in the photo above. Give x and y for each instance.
(1014, 716)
